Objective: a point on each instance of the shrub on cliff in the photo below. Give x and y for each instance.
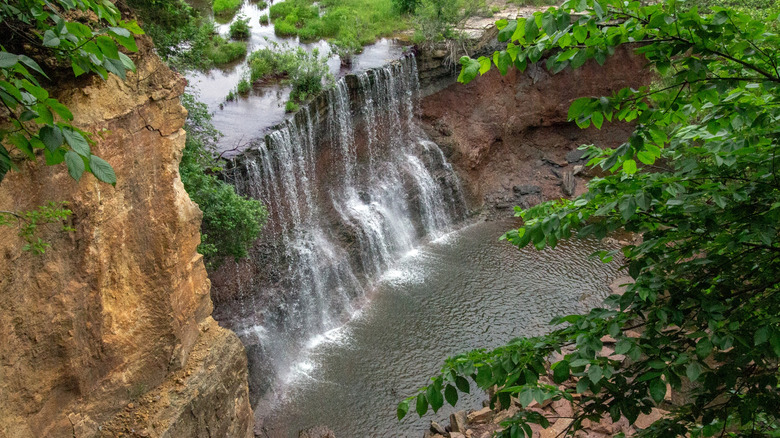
(698, 181)
(231, 222)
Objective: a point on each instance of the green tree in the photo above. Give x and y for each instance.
(231, 222)
(698, 181)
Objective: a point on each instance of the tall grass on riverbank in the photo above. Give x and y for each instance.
(361, 20)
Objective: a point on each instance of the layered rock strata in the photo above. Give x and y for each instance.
(116, 313)
(508, 136)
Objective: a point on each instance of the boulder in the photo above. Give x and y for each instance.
(481, 416)
(437, 428)
(458, 421)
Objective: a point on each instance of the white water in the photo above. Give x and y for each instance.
(351, 190)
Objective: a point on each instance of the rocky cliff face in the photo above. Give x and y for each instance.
(508, 136)
(109, 332)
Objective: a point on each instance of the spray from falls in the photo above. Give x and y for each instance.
(351, 184)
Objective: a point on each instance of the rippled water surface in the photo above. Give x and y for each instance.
(462, 291)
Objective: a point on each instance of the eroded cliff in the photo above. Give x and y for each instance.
(109, 332)
(508, 136)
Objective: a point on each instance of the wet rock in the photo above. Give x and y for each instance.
(317, 432)
(458, 421)
(568, 184)
(437, 428)
(645, 420)
(481, 416)
(527, 189)
(575, 156)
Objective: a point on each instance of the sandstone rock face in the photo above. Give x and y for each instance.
(117, 310)
(505, 132)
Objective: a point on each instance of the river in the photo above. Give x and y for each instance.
(464, 290)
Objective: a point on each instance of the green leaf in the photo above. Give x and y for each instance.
(51, 136)
(598, 119)
(451, 394)
(75, 164)
(402, 410)
(5, 162)
(704, 347)
(595, 373)
(462, 384)
(50, 39)
(107, 46)
(531, 30)
(434, 397)
(422, 405)
(693, 371)
(8, 60)
(102, 170)
(60, 109)
(469, 70)
(76, 142)
(578, 107)
(657, 389)
(505, 33)
(761, 335)
(560, 371)
(629, 167)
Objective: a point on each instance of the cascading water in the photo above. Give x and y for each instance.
(351, 184)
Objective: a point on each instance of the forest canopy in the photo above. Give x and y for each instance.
(697, 183)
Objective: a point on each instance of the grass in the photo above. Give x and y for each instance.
(221, 52)
(226, 7)
(239, 29)
(361, 20)
(264, 20)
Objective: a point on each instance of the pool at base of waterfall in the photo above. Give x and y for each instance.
(461, 291)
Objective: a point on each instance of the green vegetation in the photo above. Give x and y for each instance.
(291, 107)
(183, 38)
(437, 20)
(239, 29)
(535, 2)
(261, 4)
(264, 20)
(360, 20)
(243, 87)
(29, 221)
(231, 223)
(225, 7)
(698, 181)
(35, 120)
(306, 72)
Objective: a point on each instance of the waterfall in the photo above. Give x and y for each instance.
(352, 184)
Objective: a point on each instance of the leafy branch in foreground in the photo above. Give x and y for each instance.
(698, 182)
(54, 32)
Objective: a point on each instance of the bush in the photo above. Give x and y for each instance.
(226, 7)
(231, 223)
(221, 52)
(239, 30)
(262, 4)
(244, 87)
(264, 19)
(283, 28)
(305, 71)
(291, 107)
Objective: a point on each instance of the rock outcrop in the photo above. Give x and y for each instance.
(109, 332)
(504, 133)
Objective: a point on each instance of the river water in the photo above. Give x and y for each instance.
(464, 290)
